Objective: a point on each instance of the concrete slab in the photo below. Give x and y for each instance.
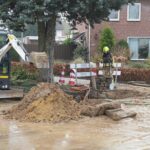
(118, 114)
(12, 93)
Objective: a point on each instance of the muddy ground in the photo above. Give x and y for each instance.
(99, 133)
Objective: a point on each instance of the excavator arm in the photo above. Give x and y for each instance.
(14, 43)
(4, 50)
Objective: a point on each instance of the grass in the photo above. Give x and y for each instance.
(141, 65)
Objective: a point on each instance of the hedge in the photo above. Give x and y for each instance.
(127, 74)
(134, 74)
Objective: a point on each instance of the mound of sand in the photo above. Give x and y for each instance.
(45, 102)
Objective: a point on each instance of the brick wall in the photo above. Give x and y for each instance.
(123, 28)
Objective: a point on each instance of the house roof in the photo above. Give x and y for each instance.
(79, 35)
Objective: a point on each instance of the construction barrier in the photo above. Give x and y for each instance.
(90, 66)
(72, 80)
(62, 79)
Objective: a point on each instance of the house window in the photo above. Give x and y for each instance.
(114, 15)
(134, 12)
(58, 33)
(140, 48)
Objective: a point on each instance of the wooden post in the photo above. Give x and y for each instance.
(116, 77)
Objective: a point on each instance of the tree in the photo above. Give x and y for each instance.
(31, 30)
(18, 13)
(106, 38)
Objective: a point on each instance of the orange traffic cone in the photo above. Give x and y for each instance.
(72, 80)
(62, 79)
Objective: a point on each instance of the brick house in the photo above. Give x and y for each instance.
(131, 23)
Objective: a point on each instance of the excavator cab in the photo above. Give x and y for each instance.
(5, 72)
(4, 64)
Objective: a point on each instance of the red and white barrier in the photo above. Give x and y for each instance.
(62, 79)
(72, 80)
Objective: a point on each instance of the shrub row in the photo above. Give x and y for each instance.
(127, 74)
(28, 71)
(21, 71)
(134, 74)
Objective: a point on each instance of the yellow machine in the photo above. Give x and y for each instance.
(8, 41)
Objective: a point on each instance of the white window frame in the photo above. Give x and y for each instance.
(118, 19)
(139, 19)
(137, 37)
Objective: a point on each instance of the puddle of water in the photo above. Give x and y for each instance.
(13, 138)
(17, 140)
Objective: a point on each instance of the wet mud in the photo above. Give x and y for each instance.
(100, 133)
(89, 133)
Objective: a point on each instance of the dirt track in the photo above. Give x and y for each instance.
(86, 134)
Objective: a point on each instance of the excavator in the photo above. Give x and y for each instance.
(9, 42)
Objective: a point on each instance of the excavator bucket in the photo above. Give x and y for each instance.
(39, 59)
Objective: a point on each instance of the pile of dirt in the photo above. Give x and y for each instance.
(45, 102)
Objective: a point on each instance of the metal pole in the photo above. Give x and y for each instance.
(49, 78)
(76, 74)
(89, 42)
(116, 78)
(89, 47)
(22, 37)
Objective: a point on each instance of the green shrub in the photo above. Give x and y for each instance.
(78, 60)
(81, 52)
(68, 41)
(23, 71)
(123, 43)
(106, 38)
(147, 62)
(121, 48)
(97, 57)
(139, 65)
